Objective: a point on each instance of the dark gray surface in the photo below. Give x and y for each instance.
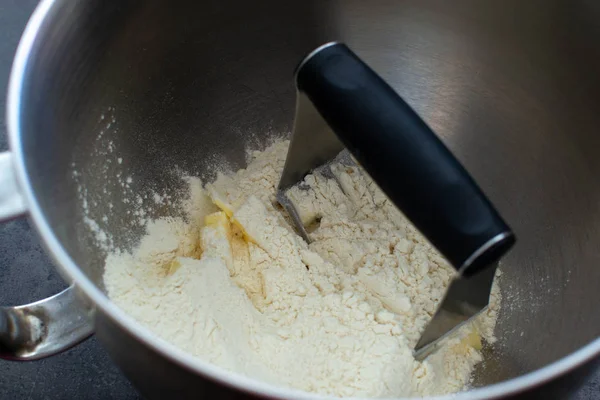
(26, 274)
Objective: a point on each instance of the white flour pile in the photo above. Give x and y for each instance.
(340, 317)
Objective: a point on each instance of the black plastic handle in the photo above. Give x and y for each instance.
(405, 158)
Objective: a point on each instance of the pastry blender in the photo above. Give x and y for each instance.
(343, 103)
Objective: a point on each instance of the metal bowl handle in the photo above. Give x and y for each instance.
(48, 326)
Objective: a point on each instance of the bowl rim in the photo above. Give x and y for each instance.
(44, 14)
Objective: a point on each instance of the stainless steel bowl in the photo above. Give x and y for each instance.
(512, 88)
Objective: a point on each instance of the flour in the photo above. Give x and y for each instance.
(235, 285)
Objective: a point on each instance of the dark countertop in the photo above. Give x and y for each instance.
(26, 274)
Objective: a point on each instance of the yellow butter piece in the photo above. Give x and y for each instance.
(473, 339)
(223, 206)
(245, 234)
(173, 266)
(216, 219)
(220, 202)
(220, 221)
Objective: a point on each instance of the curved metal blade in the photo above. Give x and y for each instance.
(313, 144)
(464, 299)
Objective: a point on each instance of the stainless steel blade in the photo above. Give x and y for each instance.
(289, 207)
(464, 299)
(313, 144)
